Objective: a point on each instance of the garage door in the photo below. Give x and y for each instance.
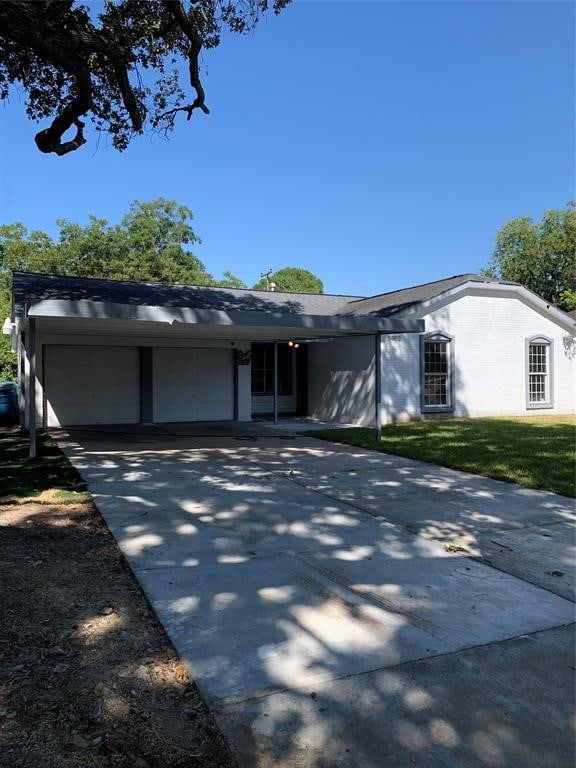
(91, 385)
(193, 385)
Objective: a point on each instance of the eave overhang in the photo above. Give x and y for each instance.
(302, 324)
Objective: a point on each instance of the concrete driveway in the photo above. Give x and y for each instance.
(339, 607)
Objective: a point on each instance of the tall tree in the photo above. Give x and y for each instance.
(150, 243)
(122, 66)
(539, 255)
(19, 250)
(293, 279)
(229, 281)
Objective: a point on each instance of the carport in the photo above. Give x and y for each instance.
(100, 347)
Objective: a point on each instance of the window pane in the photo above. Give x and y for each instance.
(436, 388)
(436, 357)
(537, 388)
(537, 358)
(538, 373)
(285, 355)
(263, 369)
(258, 381)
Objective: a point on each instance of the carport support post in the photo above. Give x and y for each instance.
(32, 385)
(275, 392)
(21, 380)
(378, 385)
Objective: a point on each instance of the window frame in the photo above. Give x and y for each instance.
(548, 343)
(445, 338)
(268, 350)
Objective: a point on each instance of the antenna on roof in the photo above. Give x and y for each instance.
(268, 274)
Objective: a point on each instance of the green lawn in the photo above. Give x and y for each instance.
(49, 476)
(538, 452)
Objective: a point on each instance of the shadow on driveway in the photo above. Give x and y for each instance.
(319, 595)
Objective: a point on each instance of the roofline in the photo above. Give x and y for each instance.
(182, 285)
(561, 317)
(419, 285)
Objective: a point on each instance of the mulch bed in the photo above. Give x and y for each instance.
(87, 674)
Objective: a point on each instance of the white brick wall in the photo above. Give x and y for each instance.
(490, 375)
(400, 377)
(490, 335)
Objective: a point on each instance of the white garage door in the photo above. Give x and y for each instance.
(193, 385)
(91, 385)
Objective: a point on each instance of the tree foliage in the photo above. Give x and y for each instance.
(229, 281)
(292, 279)
(151, 243)
(539, 255)
(122, 66)
(7, 357)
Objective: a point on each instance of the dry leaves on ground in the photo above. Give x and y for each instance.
(87, 674)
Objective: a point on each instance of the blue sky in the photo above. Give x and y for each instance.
(378, 144)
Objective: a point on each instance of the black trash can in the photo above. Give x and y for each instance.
(8, 404)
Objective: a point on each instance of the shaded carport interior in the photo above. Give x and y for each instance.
(51, 306)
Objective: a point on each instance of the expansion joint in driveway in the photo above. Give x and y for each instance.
(502, 569)
(234, 700)
(291, 478)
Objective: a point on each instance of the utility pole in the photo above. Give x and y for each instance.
(267, 274)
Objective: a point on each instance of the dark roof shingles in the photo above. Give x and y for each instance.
(30, 287)
(395, 301)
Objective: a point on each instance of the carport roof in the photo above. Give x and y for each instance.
(122, 306)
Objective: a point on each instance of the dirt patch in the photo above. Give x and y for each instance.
(87, 674)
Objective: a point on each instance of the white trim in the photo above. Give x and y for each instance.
(473, 288)
(548, 344)
(444, 338)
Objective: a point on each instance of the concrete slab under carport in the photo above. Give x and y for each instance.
(297, 609)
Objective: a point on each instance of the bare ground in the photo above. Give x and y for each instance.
(88, 677)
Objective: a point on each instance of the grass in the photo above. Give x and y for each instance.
(537, 452)
(49, 477)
